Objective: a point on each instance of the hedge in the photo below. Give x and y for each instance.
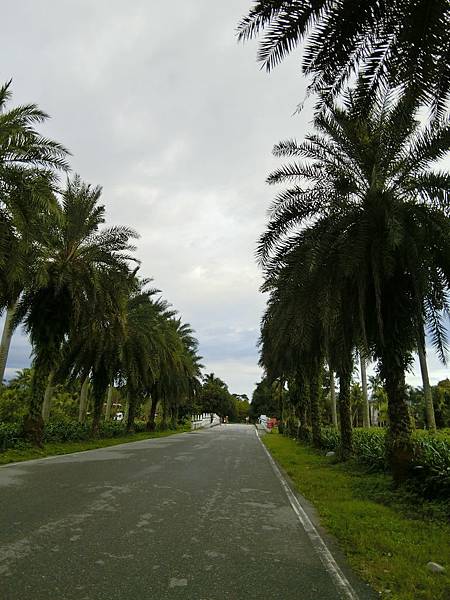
(63, 431)
(430, 466)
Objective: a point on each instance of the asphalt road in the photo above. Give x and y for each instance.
(199, 516)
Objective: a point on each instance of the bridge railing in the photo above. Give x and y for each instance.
(204, 420)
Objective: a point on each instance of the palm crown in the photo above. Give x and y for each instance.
(391, 41)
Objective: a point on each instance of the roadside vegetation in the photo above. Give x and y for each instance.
(71, 413)
(388, 535)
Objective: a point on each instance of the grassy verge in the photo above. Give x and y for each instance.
(388, 536)
(55, 448)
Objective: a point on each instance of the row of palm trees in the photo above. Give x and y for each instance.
(73, 283)
(356, 254)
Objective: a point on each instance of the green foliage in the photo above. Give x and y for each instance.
(265, 401)
(369, 447)
(66, 430)
(242, 407)
(431, 456)
(10, 436)
(215, 398)
(13, 405)
(329, 438)
(441, 401)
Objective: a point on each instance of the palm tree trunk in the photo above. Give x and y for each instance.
(174, 417)
(333, 400)
(109, 403)
(151, 424)
(99, 388)
(429, 408)
(131, 411)
(345, 415)
(83, 400)
(316, 387)
(48, 397)
(33, 425)
(365, 407)
(399, 449)
(165, 411)
(6, 339)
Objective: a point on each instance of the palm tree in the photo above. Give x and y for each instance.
(186, 378)
(93, 349)
(304, 331)
(27, 165)
(403, 43)
(66, 281)
(178, 372)
(378, 215)
(144, 342)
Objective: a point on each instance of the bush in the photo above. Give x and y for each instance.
(431, 456)
(329, 439)
(432, 463)
(368, 446)
(65, 431)
(10, 436)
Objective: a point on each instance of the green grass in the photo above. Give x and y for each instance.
(388, 535)
(55, 448)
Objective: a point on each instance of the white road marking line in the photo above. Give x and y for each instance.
(320, 547)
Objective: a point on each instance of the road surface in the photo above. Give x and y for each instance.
(199, 516)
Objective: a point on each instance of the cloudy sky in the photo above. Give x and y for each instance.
(160, 105)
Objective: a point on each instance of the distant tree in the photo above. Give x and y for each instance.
(15, 397)
(265, 401)
(441, 400)
(357, 404)
(242, 405)
(215, 397)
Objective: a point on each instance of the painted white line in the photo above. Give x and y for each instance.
(327, 559)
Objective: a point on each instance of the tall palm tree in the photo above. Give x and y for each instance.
(305, 331)
(93, 348)
(369, 199)
(65, 281)
(403, 43)
(142, 346)
(28, 162)
(186, 377)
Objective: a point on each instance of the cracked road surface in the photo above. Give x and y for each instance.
(198, 516)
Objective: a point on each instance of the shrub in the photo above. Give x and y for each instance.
(432, 463)
(368, 446)
(10, 436)
(65, 431)
(431, 456)
(330, 438)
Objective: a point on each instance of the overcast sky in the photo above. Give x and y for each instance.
(160, 105)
